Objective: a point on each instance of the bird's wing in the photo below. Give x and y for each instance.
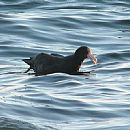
(46, 69)
(57, 55)
(45, 64)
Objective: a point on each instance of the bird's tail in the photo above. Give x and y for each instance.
(29, 62)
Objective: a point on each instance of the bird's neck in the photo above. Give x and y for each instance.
(78, 62)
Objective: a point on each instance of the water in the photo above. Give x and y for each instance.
(100, 101)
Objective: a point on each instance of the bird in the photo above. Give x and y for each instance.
(44, 64)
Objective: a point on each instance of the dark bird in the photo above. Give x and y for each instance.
(43, 64)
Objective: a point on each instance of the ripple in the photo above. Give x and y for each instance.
(8, 123)
(123, 22)
(60, 101)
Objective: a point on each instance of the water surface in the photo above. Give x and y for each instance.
(59, 101)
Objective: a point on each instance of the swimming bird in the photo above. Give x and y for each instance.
(43, 63)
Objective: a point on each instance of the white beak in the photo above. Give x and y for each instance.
(92, 57)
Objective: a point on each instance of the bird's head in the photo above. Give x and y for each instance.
(84, 52)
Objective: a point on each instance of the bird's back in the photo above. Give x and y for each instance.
(45, 63)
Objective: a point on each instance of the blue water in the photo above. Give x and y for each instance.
(100, 101)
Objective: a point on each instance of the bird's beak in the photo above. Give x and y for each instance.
(92, 57)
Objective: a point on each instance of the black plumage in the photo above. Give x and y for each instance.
(43, 63)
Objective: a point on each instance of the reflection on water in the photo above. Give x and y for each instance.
(99, 101)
